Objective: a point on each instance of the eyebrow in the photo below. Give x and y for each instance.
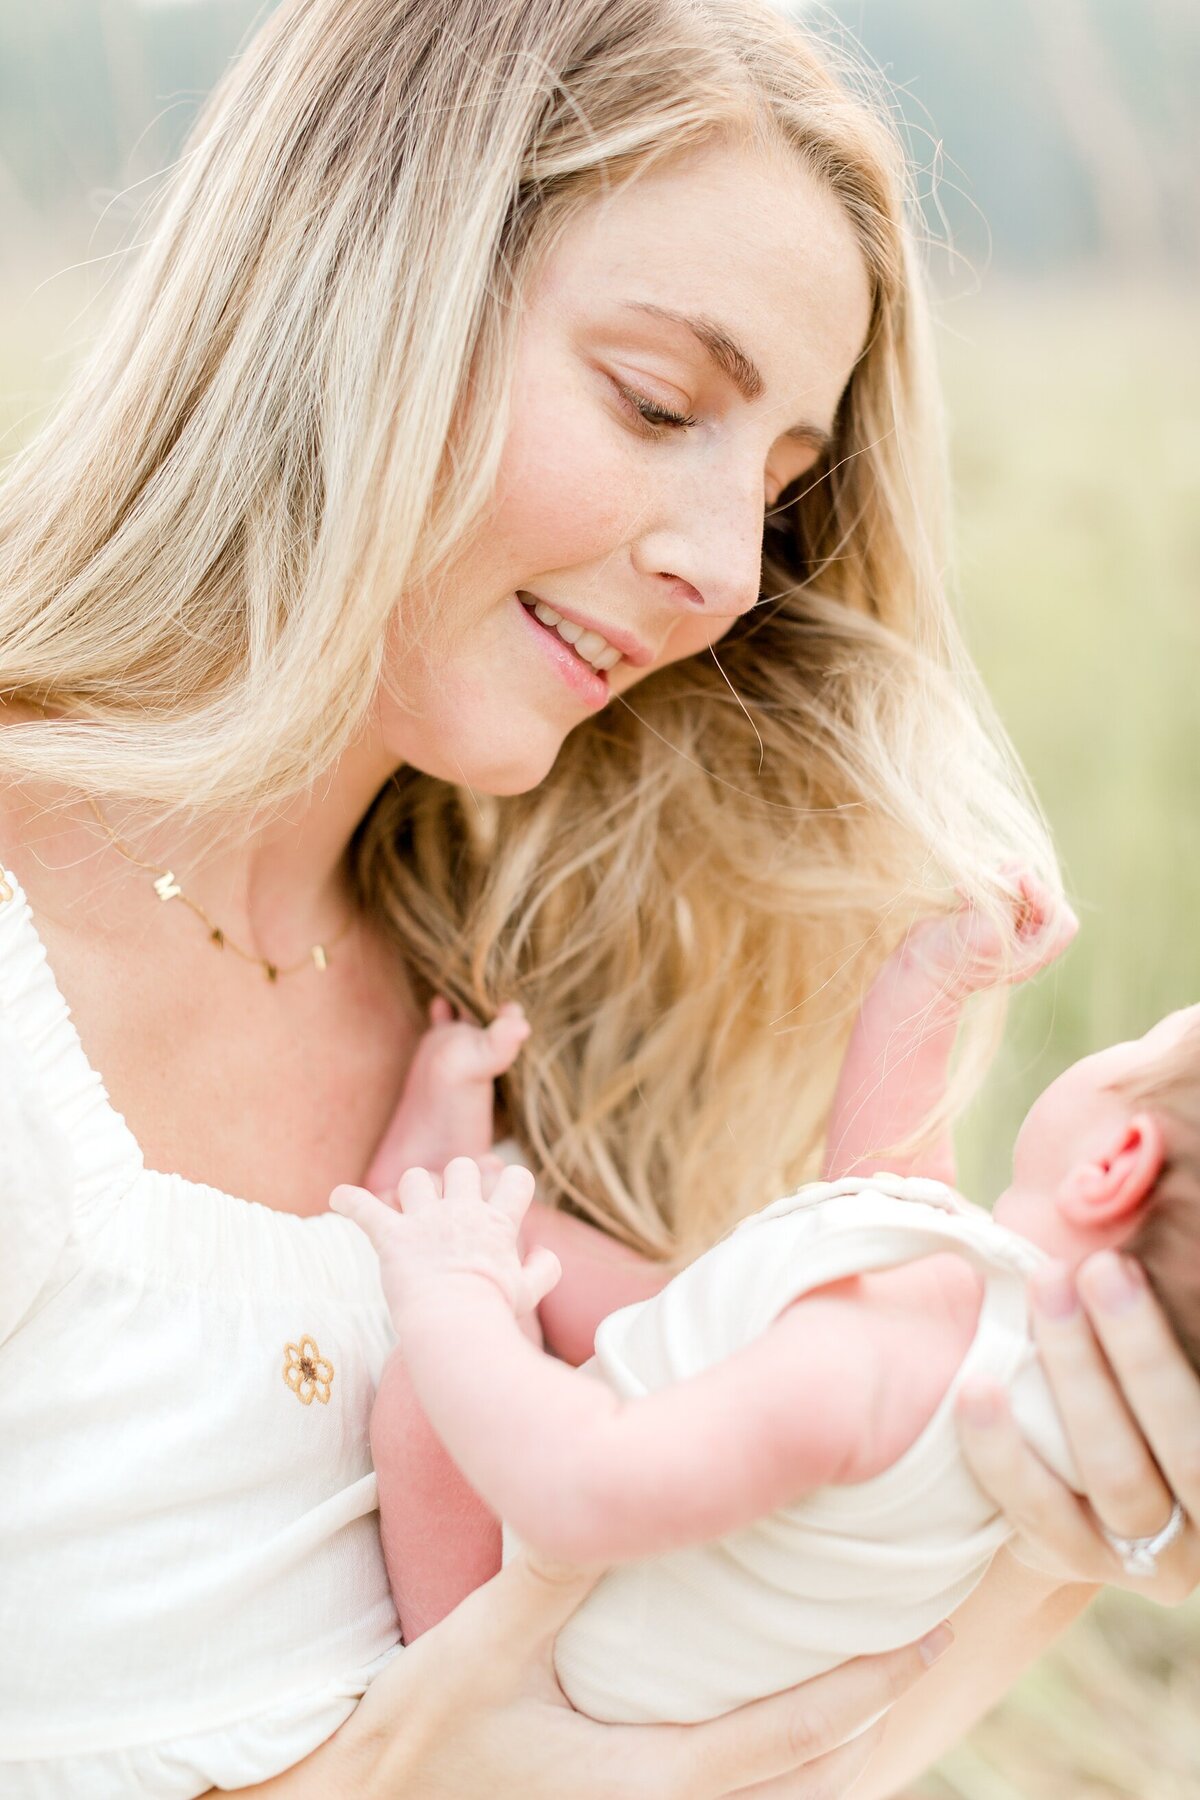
(741, 369)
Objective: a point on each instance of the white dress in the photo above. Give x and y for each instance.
(192, 1591)
(847, 1570)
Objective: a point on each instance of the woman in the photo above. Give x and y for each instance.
(403, 362)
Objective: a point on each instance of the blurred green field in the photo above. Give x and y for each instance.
(1076, 445)
(1076, 451)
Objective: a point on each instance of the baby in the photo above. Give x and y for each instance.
(765, 1448)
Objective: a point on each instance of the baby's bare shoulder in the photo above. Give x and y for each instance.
(894, 1340)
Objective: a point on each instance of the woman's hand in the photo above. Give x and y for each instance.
(1130, 1402)
(473, 1712)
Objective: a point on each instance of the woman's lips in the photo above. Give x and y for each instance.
(588, 684)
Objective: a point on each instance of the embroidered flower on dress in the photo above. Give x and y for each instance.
(307, 1372)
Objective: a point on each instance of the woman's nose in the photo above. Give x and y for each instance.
(710, 542)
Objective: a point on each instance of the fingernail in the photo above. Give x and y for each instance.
(936, 1644)
(1115, 1281)
(981, 1405)
(1054, 1293)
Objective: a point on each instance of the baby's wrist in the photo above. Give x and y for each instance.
(920, 981)
(450, 1294)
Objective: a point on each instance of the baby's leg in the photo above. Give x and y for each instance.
(440, 1541)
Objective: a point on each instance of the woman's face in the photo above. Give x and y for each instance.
(646, 533)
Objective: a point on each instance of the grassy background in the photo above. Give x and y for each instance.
(1076, 436)
(1076, 450)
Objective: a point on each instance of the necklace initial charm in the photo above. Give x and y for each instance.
(167, 888)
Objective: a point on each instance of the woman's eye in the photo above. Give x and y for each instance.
(657, 418)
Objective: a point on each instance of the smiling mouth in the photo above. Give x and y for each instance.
(593, 650)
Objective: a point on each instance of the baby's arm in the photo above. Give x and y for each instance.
(577, 1472)
(898, 1060)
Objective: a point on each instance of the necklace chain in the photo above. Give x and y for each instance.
(167, 888)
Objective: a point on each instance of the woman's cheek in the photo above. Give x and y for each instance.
(571, 494)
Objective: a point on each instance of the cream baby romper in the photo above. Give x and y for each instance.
(192, 1592)
(849, 1570)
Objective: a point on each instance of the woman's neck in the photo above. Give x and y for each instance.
(276, 882)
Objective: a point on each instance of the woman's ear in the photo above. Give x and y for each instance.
(1104, 1189)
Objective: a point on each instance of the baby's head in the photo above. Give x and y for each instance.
(1109, 1156)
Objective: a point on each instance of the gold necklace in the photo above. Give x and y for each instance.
(167, 888)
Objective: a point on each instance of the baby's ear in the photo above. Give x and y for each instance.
(1111, 1186)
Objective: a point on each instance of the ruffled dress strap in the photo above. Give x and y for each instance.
(66, 1156)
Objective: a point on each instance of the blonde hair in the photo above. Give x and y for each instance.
(296, 412)
(1167, 1239)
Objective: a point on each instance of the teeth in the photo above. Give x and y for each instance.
(589, 645)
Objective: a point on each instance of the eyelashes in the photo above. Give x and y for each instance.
(657, 418)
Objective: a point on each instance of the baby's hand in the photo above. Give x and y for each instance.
(967, 952)
(441, 1230)
(454, 1052)
(446, 1107)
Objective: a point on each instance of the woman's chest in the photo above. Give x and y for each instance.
(270, 1092)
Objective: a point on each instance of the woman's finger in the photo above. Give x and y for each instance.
(1160, 1384)
(524, 1606)
(773, 1738)
(1054, 1530)
(829, 1778)
(1123, 1483)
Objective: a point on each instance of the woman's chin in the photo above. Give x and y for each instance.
(496, 769)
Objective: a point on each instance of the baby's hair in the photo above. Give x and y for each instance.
(1167, 1241)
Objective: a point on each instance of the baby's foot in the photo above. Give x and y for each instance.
(446, 1109)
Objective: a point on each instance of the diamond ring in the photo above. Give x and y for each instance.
(1139, 1555)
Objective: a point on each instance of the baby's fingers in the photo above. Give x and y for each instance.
(513, 1192)
(481, 1052)
(368, 1212)
(540, 1272)
(418, 1188)
(503, 1038)
(1043, 922)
